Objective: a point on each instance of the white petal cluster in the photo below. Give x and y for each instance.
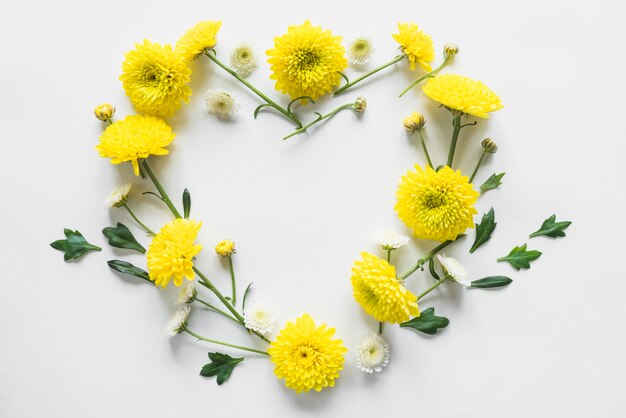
(221, 103)
(372, 354)
(390, 240)
(454, 269)
(178, 323)
(118, 197)
(244, 59)
(360, 50)
(259, 317)
(187, 293)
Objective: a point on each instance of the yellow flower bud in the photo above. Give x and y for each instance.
(489, 146)
(225, 248)
(104, 112)
(414, 122)
(450, 49)
(360, 104)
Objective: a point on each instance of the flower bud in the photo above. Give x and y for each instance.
(225, 248)
(414, 122)
(489, 146)
(450, 49)
(104, 112)
(360, 104)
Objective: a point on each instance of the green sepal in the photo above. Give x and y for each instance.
(245, 296)
(491, 282)
(484, 229)
(221, 365)
(427, 322)
(121, 237)
(492, 182)
(520, 258)
(128, 268)
(551, 228)
(74, 246)
(186, 203)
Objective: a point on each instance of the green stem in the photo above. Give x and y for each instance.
(207, 283)
(431, 288)
(480, 161)
(381, 325)
(427, 258)
(349, 85)
(239, 347)
(430, 163)
(246, 83)
(146, 168)
(319, 119)
(217, 310)
(232, 280)
(141, 224)
(429, 75)
(389, 256)
(456, 122)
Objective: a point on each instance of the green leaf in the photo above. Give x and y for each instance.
(492, 182)
(121, 237)
(74, 246)
(221, 365)
(484, 229)
(552, 229)
(519, 258)
(491, 281)
(186, 203)
(127, 268)
(245, 296)
(258, 108)
(427, 322)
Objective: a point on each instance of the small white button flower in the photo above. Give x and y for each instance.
(187, 293)
(244, 59)
(372, 354)
(390, 240)
(360, 51)
(178, 323)
(119, 196)
(259, 317)
(221, 103)
(454, 269)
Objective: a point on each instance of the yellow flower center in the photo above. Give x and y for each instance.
(305, 355)
(306, 59)
(434, 198)
(260, 316)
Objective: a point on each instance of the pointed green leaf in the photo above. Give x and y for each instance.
(427, 322)
(221, 365)
(121, 237)
(520, 258)
(186, 203)
(484, 229)
(127, 268)
(492, 182)
(551, 228)
(491, 282)
(74, 246)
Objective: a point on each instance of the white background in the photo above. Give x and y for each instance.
(81, 341)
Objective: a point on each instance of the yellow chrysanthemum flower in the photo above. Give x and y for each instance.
(133, 138)
(198, 39)
(416, 45)
(306, 61)
(155, 79)
(436, 205)
(379, 292)
(172, 251)
(306, 356)
(463, 94)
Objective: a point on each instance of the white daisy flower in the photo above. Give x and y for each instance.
(221, 103)
(390, 240)
(187, 293)
(360, 51)
(119, 196)
(178, 323)
(372, 354)
(259, 317)
(244, 59)
(454, 269)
